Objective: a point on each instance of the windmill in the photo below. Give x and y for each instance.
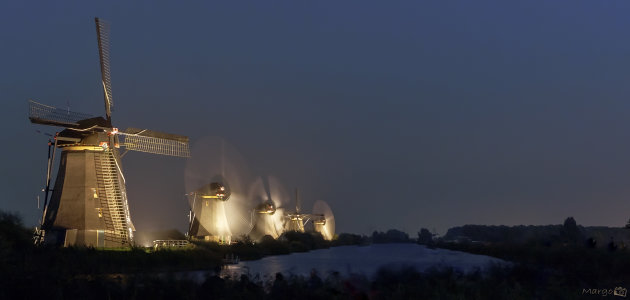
(268, 214)
(323, 219)
(88, 205)
(208, 220)
(216, 168)
(296, 219)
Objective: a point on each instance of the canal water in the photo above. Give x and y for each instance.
(361, 260)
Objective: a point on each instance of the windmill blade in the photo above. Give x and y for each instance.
(156, 134)
(102, 33)
(279, 195)
(115, 192)
(269, 188)
(155, 142)
(298, 205)
(48, 115)
(256, 191)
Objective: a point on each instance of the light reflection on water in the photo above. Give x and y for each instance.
(363, 260)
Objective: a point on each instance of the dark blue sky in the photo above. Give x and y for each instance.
(400, 115)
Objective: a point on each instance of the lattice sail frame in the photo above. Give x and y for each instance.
(46, 114)
(102, 30)
(154, 145)
(113, 195)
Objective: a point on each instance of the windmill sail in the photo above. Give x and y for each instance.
(112, 196)
(48, 115)
(102, 33)
(149, 141)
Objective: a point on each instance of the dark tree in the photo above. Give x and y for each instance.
(391, 236)
(398, 236)
(349, 239)
(612, 246)
(570, 231)
(425, 237)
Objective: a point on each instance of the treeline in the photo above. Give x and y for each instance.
(377, 237)
(568, 233)
(510, 234)
(293, 241)
(287, 243)
(560, 257)
(558, 266)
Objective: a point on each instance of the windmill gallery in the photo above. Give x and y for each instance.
(88, 203)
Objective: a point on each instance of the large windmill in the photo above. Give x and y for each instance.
(88, 205)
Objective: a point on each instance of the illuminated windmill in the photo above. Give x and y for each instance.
(88, 205)
(268, 214)
(323, 219)
(208, 220)
(214, 217)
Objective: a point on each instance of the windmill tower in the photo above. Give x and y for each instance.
(88, 205)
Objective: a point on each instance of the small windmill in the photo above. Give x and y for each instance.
(88, 205)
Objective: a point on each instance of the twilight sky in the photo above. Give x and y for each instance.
(400, 114)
